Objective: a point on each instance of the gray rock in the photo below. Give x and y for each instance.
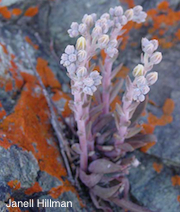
(47, 181)
(16, 164)
(153, 190)
(61, 16)
(10, 2)
(3, 207)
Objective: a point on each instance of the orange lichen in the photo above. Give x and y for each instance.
(123, 72)
(31, 11)
(9, 86)
(166, 118)
(4, 48)
(147, 128)
(103, 55)
(160, 21)
(29, 125)
(113, 104)
(163, 5)
(178, 34)
(178, 198)
(57, 191)
(5, 12)
(59, 95)
(175, 180)
(16, 11)
(2, 111)
(14, 184)
(157, 167)
(130, 3)
(46, 74)
(168, 107)
(34, 189)
(28, 40)
(147, 146)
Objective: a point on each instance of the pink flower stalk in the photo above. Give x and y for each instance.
(100, 142)
(136, 90)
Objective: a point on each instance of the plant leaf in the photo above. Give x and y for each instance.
(126, 204)
(116, 70)
(133, 131)
(90, 180)
(103, 166)
(105, 193)
(139, 110)
(115, 90)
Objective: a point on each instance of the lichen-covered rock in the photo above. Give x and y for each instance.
(18, 165)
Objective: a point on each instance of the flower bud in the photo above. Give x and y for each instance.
(140, 81)
(81, 72)
(155, 43)
(97, 31)
(113, 43)
(156, 58)
(81, 43)
(74, 25)
(88, 20)
(103, 41)
(106, 16)
(149, 48)
(83, 29)
(69, 49)
(129, 14)
(138, 70)
(71, 68)
(82, 54)
(123, 20)
(118, 11)
(137, 10)
(152, 78)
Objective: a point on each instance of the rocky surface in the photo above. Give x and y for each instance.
(25, 169)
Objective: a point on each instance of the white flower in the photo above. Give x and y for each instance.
(71, 68)
(137, 10)
(91, 82)
(129, 14)
(112, 52)
(82, 54)
(113, 43)
(117, 11)
(81, 72)
(73, 31)
(83, 29)
(156, 58)
(138, 70)
(152, 78)
(123, 20)
(106, 16)
(139, 15)
(141, 88)
(103, 41)
(89, 20)
(104, 24)
(81, 43)
(69, 56)
(97, 31)
(149, 46)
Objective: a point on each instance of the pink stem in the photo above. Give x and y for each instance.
(106, 82)
(123, 128)
(81, 125)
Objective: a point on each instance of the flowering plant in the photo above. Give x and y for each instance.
(104, 136)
